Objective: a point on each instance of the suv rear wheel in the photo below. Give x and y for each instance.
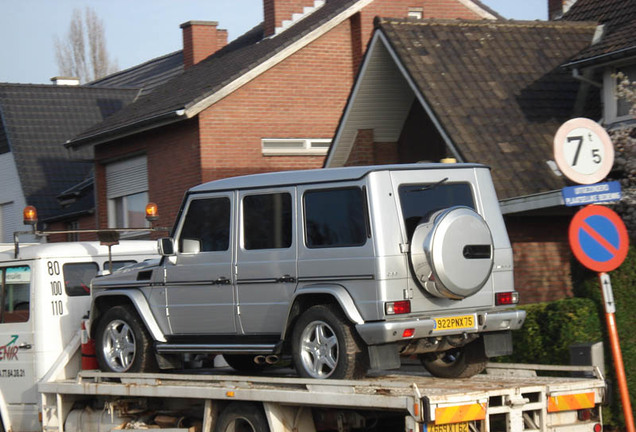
(122, 343)
(325, 346)
(462, 362)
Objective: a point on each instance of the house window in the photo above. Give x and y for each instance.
(295, 146)
(127, 193)
(72, 226)
(416, 12)
(617, 109)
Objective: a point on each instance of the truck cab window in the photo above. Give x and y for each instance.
(16, 283)
(77, 278)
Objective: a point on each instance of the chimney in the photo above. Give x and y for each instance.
(65, 81)
(277, 11)
(556, 8)
(201, 39)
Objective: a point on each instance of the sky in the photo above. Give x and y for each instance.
(140, 30)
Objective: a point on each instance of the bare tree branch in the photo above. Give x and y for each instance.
(82, 53)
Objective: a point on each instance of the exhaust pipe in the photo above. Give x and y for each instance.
(271, 359)
(260, 359)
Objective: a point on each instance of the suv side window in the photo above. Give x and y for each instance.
(420, 201)
(267, 221)
(207, 226)
(335, 218)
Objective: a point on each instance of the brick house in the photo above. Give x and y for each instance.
(477, 91)
(269, 100)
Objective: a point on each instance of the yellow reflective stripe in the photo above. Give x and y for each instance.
(571, 402)
(460, 413)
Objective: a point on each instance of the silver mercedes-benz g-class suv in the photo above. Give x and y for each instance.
(340, 270)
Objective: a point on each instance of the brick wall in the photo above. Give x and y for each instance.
(542, 257)
(302, 97)
(84, 222)
(174, 166)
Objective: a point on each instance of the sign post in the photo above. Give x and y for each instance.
(599, 240)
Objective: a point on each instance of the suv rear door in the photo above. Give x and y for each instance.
(420, 194)
(266, 259)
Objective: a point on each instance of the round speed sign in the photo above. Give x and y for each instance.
(583, 151)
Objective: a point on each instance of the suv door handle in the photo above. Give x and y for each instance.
(222, 281)
(286, 279)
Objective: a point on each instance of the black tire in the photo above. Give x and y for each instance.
(461, 362)
(243, 363)
(242, 417)
(324, 345)
(122, 343)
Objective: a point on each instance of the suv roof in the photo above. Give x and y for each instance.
(283, 178)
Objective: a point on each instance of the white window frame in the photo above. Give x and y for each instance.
(295, 146)
(416, 12)
(610, 101)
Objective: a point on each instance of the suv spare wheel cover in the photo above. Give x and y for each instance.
(452, 253)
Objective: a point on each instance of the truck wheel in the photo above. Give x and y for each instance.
(243, 363)
(242, 417)
(123, 343)
(461, 362)
(324, 345)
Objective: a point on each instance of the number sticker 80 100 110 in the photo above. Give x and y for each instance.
(57, 287)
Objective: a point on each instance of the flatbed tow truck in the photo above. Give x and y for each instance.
(509, 397)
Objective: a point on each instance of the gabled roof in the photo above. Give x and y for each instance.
(35, 122)
(225, 71)
(145, 76)
(618, 38)
(494, 89)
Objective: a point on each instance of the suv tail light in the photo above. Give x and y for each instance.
(506, 298)
(398, 307)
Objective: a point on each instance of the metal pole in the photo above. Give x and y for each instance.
(612, 330)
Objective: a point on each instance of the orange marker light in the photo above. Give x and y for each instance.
(152, 212)
(30, 215)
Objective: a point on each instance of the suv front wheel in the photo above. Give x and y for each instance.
(324, 345)
(122, 343)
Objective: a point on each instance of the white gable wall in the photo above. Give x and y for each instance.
(11, 201)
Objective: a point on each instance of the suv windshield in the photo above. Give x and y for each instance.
(422, 200)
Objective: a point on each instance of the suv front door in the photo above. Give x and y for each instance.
(199, 284)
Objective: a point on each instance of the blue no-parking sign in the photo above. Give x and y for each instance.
(598, 238)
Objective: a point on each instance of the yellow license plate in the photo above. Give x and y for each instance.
(450, 427)
(454, 323)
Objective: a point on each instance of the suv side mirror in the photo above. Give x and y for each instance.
(165, 245)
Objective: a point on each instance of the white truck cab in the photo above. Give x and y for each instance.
(44, 293)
